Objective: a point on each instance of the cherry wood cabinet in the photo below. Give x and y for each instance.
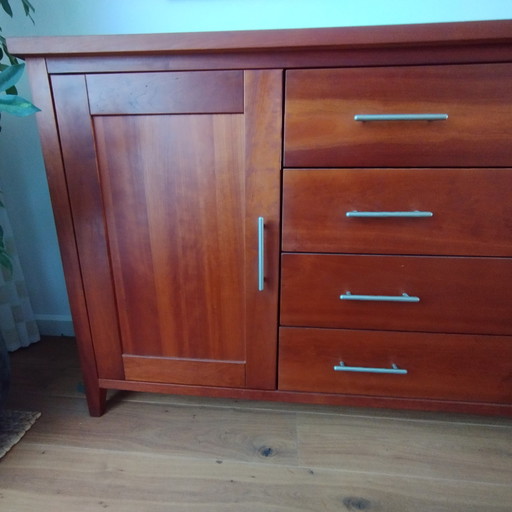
(316, 215)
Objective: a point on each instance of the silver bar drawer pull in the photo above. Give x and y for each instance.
(400, 117)
(380, 298)
(261, 254)
(415, 214)
(364, 369)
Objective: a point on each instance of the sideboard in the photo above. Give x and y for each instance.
(313, 215)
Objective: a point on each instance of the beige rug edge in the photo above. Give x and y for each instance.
(13, 426)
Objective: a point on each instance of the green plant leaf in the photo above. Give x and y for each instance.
(10, 75)
(6, 7)
(27, 6)
(12, 59)
(5, 261)
(17, 106)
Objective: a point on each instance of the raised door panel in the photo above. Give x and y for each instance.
(172, 189)
(174, 202)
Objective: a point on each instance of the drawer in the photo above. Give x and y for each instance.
(437, 366)
(456, 295)
(321, 105)
(386, 211)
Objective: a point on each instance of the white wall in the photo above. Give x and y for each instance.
(22, 175)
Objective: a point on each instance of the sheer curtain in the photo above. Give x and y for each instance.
(18, 326)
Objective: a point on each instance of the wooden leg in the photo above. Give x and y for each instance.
(96, 399)
(96, 396)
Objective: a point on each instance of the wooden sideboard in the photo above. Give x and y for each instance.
(318, 215)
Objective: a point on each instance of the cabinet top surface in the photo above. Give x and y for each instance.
(432, 34)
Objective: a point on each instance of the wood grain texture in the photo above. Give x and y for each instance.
(438, 365)
(308, 397)
(457, 295)
(494, 32)
(234, 455)
(320, 129)
(206, 372)
(430, 449)
(53, 159)
(89, 479)
(173, 189)
(471, 213)
(83, 189)
(290, 59)
(182, 196)
(201, 92)
(263, 199)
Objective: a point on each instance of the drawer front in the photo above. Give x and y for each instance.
(457, 295)
(321, 105)
(398, 211)
(433, 366)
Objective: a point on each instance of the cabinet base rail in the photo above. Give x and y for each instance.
(490, 409)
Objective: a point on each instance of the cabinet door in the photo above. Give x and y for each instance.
(168, 174)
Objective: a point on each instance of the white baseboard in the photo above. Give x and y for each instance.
(55, 325)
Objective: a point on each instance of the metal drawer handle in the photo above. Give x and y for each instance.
(364, 369)
(400, 117)
(384, 215)
(261, 254)
(380, 298)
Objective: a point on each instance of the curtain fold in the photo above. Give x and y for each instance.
(18, 326)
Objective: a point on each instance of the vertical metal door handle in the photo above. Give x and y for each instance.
(261, 254)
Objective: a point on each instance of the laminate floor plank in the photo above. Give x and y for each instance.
(234, 434)
(439, 450)
(52, 477)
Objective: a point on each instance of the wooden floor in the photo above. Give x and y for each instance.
(156, 453)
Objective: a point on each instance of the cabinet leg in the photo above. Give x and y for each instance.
(96, 399)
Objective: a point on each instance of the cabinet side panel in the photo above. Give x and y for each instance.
(263, 118)
(79, 156)
(48, 132)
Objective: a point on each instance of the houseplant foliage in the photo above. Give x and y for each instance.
(10, 72)
(9, 102)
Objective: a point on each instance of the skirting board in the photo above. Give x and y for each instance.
(55, 325)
